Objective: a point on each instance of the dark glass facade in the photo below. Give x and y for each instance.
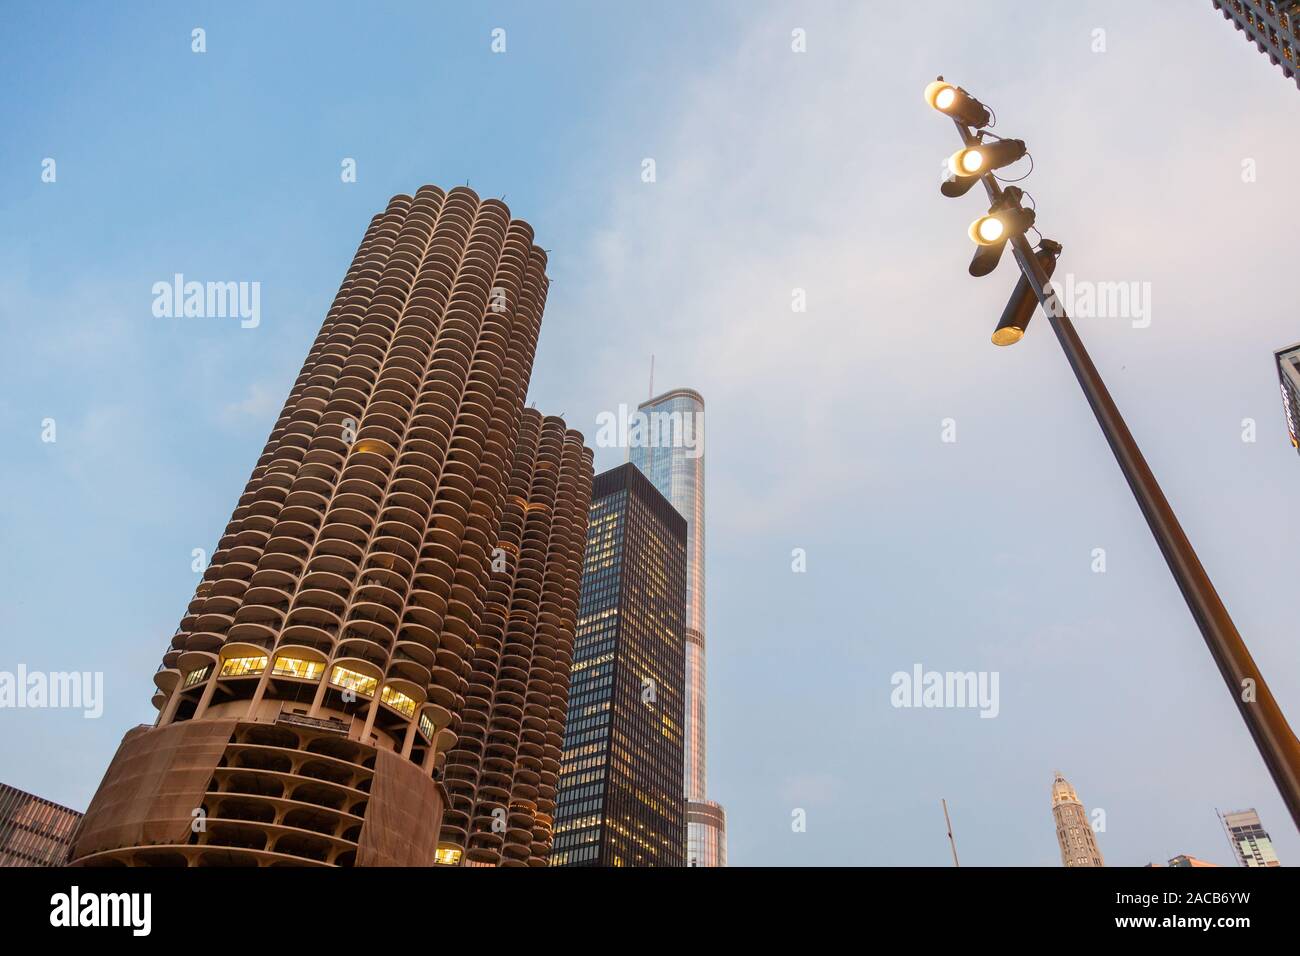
(620, 796)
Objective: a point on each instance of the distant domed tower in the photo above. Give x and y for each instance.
(1073, 831)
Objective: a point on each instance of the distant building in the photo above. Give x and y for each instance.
(1249, 839)
(620, 785)
(1288, 377)
(1073, 830)
(1274, 28)
(34, 831)
(1183, 860)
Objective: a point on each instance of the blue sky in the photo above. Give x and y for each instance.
(775, 171)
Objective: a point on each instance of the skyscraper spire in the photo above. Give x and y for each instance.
(672, 457)
(1073, 831)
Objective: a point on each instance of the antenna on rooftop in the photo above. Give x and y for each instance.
(948, 820)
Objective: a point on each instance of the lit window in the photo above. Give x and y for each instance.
(447, 855)
(398, 701)
(353, 680)
(296, 667)
(196, 675)
(426, 726)
(243, 666)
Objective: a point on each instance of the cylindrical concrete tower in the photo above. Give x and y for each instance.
(501, 775)
(319, 677)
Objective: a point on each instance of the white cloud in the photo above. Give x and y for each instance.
(810, 789)
(260, 402)
(820, 171)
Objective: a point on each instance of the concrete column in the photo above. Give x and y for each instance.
(169, 709)
(320, 693)
(409, 742)
(370, 718)
(261, 686)
(208, 691)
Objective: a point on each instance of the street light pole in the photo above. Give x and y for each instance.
(1264, 719)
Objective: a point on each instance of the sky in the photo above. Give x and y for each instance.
(1163, 149)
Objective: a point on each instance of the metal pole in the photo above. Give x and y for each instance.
(1259, 709)
(950, 839)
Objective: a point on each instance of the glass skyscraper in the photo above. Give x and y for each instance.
(1273, 28)
(620, 798)
(669, 450)
(1288, 379)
